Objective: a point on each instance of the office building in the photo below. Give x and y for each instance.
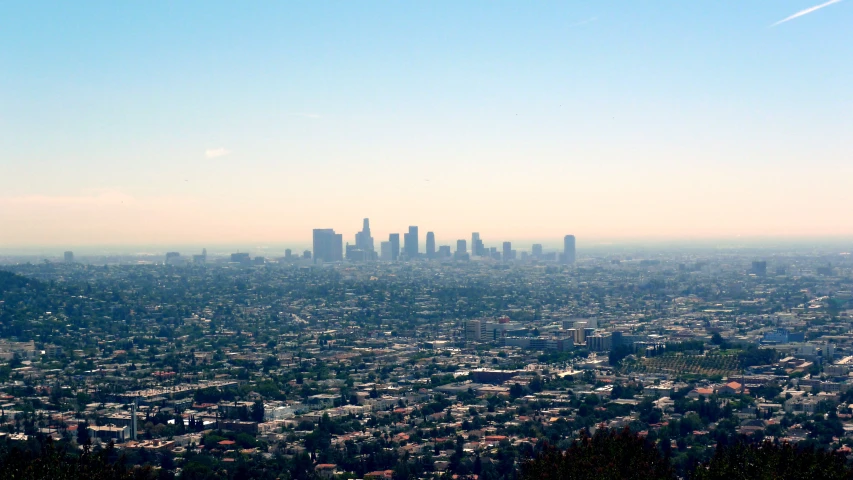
(69, 257)
(355, 254)
(474, 328)
(363, 240)
(461, 250)
(461, 247)
(537, 251)
(477, 247)
(385, 253)
(508, 252)
(599, 342)
(173, 258)
(202, 259)
(363, 249)
(241, 258)
(444, 251)
(394, 240)
(328, 245)
(569, 249)
(759, 268)
(410, 243)
(430, 245)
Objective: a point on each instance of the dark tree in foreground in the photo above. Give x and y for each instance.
(51, 463)
(603, 456)
(771, 461)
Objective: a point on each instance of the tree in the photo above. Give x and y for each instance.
(257, 413)
(772, 461)
(50, 462)
(605, 455)
(83, 434)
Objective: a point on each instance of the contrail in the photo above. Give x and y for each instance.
(805, 12)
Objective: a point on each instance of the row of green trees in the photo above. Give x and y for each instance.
(625, 455)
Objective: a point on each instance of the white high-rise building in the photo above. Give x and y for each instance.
(474, 330)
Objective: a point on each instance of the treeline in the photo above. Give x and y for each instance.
(625, 455)
(44, 459)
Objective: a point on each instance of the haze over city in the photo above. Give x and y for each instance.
(436, 240)
(202, 123)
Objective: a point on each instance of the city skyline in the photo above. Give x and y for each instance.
(426, 240)
(144, 124)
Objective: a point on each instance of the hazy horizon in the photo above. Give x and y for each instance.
(595, 245)
(176, 124)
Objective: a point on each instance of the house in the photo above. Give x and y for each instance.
(379, 475)
(731, 388)
(325, 470)
(700, 392)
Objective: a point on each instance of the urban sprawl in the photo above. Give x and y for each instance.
(348, 361)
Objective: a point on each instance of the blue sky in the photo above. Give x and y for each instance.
(217, 121)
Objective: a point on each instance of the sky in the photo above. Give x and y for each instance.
(126, 123)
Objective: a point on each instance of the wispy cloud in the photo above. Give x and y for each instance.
(216, 152)
(805, 12)
(584, 22)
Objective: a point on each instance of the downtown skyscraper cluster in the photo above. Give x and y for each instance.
(328, 247)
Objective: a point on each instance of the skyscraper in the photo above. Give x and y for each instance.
(69, 257)
(202, 259)
(363, 240)
(461, 246)
(410, 243)
(569, 249)
(477, 248)
(328, 245)
(385, 252)
(430, 245)
(394, 240)
(507, 251)
(537, 250)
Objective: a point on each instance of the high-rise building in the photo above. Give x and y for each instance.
(430, 245)
(363, 240)
(444, 251)
(410, 243)
(241, 257)
(537, 251)
(477, 248)
(461, 250)
(202, 259)
(759, 268)
(473, 328)
(363, 249)
(385, 253)
(508, 253)
(328, 245)
(394, 239)
(599, 342)
(569, 249)
(69, 257)
(172, 258)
